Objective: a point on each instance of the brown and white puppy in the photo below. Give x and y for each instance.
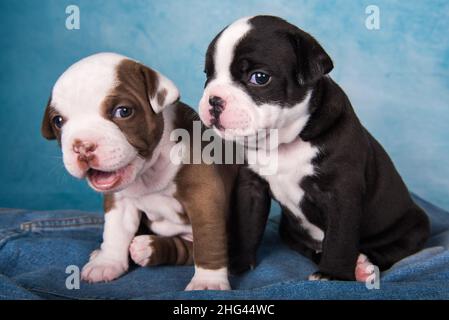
(112, 117)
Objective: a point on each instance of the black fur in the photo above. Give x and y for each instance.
(357, 197)
(248, 219)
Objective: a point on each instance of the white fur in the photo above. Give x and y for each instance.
(77, 96)
(293, 159)
(151, 192)
(265, 116)
(225, 47)
(83, 86)
(171, 97)
(141, 250)
(294, 163)
(317, 277)
(111, 260)
(206, 279)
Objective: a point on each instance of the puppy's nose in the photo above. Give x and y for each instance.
(84, 149)
(216, 102)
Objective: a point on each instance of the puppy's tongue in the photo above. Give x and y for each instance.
(102, 179)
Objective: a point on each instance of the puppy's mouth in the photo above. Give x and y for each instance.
(107, 180)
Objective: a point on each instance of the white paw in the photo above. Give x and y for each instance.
(205, 279)
(318, 276)
(141, 250)
(102, 268)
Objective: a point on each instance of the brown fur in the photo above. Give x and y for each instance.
(205, 192)
(108, 202)
(161, 96)
(202, 194)
(48, 129)
(170, 250)
(136, 84)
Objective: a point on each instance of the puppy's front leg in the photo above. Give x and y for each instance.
(342, 236)
(203, 196)
(111, 260)
(248, 219)
(209, 249)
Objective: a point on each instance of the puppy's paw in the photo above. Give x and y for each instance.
(198, 284)
(364, 268)
(141, 250)
(205, 279)
(319, 276)
(102, 268)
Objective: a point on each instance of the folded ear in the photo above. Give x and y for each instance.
(161, 90)
(46, 128)
(313, 61)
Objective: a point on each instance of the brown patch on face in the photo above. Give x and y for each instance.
(161, 96)
(108, 202)
(136, 84)
(48, 129)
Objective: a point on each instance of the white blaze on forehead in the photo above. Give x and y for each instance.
(82, 88)
(225, 47)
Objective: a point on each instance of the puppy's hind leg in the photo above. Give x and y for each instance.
(152, 250)
(363, 271)
(405, 238)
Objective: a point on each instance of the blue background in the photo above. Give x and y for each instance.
(397, 77)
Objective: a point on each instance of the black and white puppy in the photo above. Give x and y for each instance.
(344, 204)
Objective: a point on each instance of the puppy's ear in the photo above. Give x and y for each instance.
(313, 62)
(46, 128)
(161, 90)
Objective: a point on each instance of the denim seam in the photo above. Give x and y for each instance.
(46, 291)
(8, 234)
(50, 224)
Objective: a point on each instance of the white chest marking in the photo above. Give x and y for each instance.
(294, 162)
(153, 191)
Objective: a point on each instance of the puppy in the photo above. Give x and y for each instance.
(343, 203)
(113, 117)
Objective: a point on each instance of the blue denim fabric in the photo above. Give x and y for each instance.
(36, 248)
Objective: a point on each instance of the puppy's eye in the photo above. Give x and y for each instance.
(259, 78)
(58, 121)
(122, 112)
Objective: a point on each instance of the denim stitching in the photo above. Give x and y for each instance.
(65, 223)
(57, 294)
(6, 235)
